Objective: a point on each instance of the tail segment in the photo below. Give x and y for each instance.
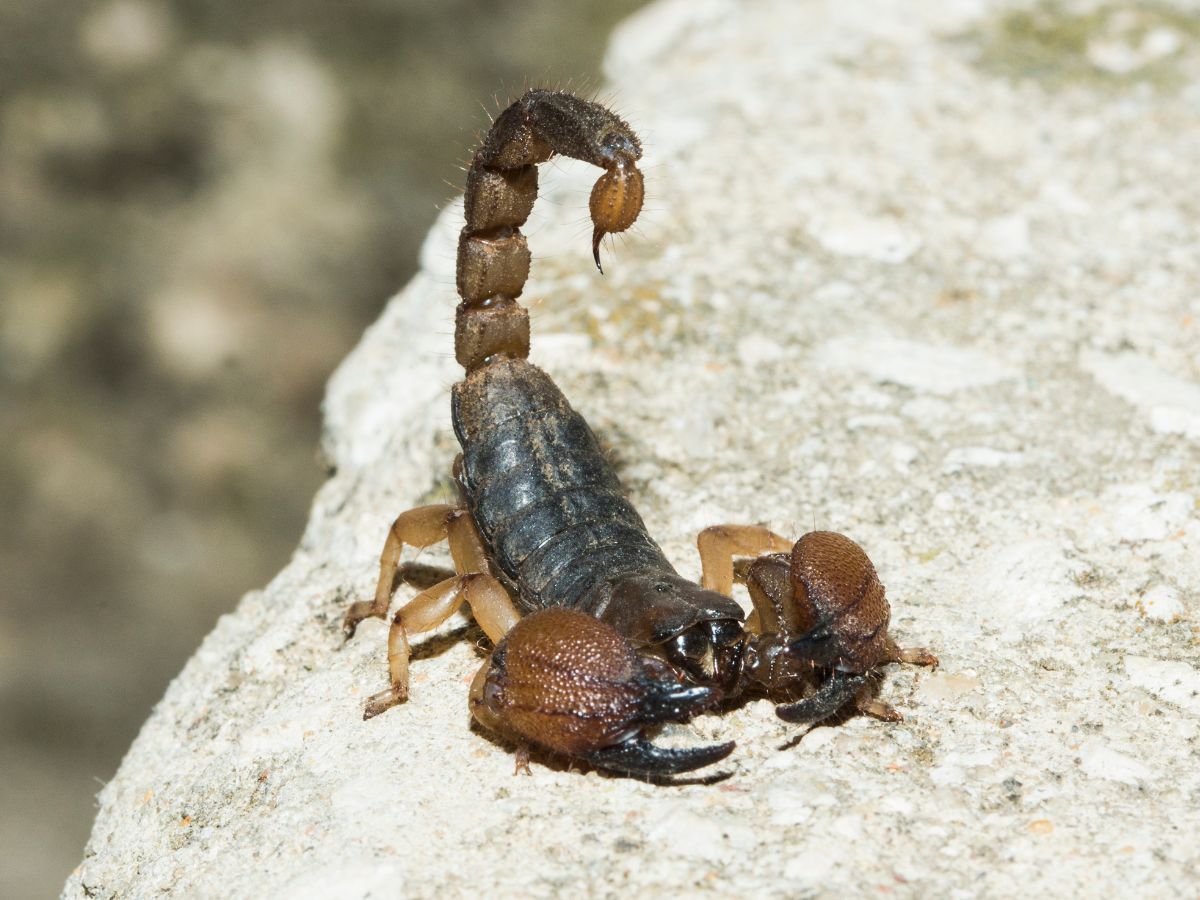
(493, 257)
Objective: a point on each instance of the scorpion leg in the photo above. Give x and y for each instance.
(881, 709)
(719, 544)
(420, 528)
(489, 601)
(490, 604)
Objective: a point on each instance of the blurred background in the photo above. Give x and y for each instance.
(202, 204)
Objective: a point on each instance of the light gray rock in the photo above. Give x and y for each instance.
(924, 273)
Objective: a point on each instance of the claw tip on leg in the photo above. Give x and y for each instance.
(521, 758)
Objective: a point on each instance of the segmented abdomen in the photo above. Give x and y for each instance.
(545, 499)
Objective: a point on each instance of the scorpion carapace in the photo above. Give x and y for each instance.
(613, 641)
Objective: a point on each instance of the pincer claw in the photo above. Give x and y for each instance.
(837, 690)
(570, 683)
(666, 699)
(637, 756)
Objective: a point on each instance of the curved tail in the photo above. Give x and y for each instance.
(493, 257)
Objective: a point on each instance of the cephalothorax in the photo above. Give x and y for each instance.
(613, 640)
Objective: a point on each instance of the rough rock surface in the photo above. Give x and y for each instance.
(923, 273)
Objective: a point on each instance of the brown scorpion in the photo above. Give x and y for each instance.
(613, 641)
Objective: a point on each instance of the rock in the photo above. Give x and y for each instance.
(1100, 761)
(1174, 681)
(1161, 603)
(747, 363)
(924, 367)
(1171, 404)
(849, 234)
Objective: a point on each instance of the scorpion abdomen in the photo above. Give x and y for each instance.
(546, 501)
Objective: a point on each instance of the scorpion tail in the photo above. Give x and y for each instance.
(493, 256)
(637, 756)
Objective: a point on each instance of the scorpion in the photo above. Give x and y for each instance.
(597, 638)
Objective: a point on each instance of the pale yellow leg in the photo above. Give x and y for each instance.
(490, 604)
(916, 656)
(719, 544)
(420, 527)
(466, 546)
(427, 610)
(913, 656)
(878, 709)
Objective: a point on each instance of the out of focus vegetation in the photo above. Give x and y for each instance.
(202, 203)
